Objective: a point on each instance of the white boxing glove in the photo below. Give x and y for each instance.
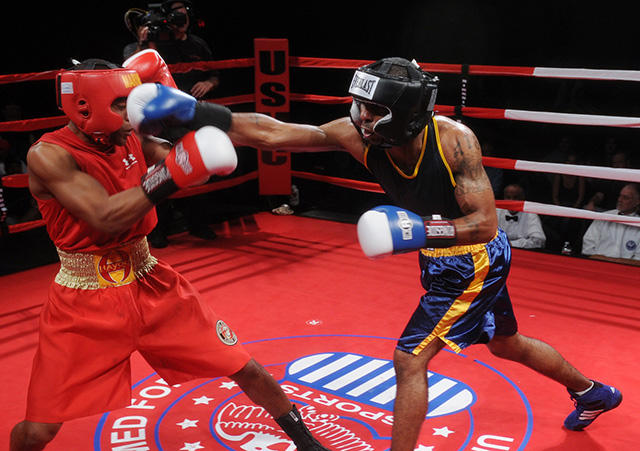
(387, 230)
(193, 159)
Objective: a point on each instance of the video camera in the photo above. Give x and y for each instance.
(158, 19)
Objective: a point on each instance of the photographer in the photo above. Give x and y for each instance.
(166, 29)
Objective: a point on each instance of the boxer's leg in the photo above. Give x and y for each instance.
(591, 398)
(540, 357)
(30, 436)
(412, 397)
(265, 391)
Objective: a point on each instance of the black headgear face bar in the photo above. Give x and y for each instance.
(409, 99)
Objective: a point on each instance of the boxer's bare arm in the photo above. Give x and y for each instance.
(53, 173)
(264, 132)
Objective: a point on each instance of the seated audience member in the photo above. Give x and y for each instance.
(612, 241)
(603, 156)
(524, 230)
(606, 191)
(567, 191)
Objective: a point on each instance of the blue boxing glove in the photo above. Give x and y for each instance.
(155, 109)
(387, 230)
(151, 106)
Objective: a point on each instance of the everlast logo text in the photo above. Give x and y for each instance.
(363, 84)
(442, 229)
(157, 175)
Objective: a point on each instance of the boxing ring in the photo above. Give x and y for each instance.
(298, 291)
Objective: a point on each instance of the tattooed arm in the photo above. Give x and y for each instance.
(473, 189)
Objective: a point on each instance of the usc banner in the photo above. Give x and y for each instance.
(272, 97)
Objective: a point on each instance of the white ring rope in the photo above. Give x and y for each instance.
(572, 119)
(600, 172)
(566, 212)
(587, 74)
(621, 174)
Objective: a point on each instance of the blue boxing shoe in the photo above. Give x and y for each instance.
(601, 398)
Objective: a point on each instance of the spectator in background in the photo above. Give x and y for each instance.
(537, 186)
(604, 157)
(560, 152)
(176, 44)
(524, 230)
(612, 241)
(606, 191)
(567, 191)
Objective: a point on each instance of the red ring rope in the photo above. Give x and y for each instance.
(21, 180)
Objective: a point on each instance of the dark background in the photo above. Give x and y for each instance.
(494, 32)
(542, 33)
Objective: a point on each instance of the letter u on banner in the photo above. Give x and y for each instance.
(272, 98)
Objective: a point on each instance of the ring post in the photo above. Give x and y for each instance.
(272, 98)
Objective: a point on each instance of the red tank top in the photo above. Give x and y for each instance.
(117, 169)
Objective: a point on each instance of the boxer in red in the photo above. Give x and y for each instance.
(111, 297)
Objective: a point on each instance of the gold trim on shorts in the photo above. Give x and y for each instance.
(110, 268)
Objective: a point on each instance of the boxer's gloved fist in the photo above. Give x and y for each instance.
(192, 160)
(151, 68)
(151, 106)
(387, 230)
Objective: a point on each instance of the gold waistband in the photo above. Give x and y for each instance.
(456, 250)
(110, 268)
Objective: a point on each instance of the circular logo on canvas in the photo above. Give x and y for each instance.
(344, 395)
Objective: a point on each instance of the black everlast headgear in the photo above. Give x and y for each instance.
(401, 87)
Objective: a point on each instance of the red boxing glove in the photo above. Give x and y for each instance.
(192, 160)
(151, 68)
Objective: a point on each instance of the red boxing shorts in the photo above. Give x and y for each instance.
(82, 364)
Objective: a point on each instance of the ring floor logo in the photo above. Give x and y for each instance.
(344, 386)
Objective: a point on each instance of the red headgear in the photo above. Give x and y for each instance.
(85, 96)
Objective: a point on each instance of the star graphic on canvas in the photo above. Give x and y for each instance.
(192, 446)
(202, 400)
(445, 431)
(228, 385)
(424, 448)
(188, 424)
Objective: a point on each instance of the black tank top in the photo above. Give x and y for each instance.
(429, 190)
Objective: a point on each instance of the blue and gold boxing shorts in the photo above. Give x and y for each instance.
(466, 299)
